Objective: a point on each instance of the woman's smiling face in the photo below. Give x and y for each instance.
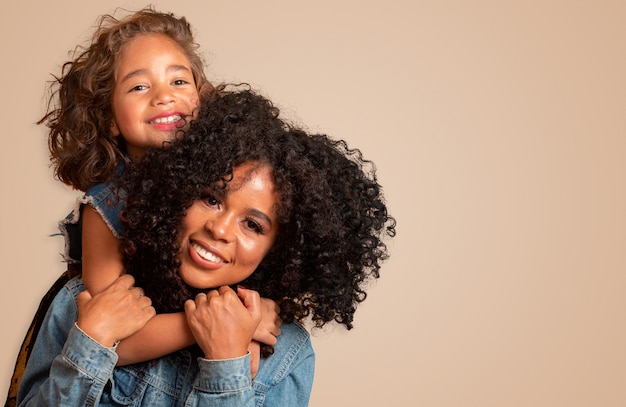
(224, 240)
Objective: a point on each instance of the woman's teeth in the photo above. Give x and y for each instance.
(206, 255)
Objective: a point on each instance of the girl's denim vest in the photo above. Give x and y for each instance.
(104, 199)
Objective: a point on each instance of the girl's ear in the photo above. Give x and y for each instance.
(115, 131)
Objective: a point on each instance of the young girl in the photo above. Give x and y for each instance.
(137, 85)
(244, 199)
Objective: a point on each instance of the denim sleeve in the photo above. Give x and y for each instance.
(66, 366)
(284, 379)
(77, 376)
(224, 383)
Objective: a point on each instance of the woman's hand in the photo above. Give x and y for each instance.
(115, 313)
(223, 322)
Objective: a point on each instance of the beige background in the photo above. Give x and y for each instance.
(498, 128)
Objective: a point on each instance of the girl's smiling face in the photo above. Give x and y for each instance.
(154, 92)
(224, 240)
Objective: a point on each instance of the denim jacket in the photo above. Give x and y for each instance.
(68, 368)
(105, 201)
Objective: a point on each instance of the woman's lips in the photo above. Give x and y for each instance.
(204, 256)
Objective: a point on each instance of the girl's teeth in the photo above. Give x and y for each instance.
(167, 120)
(206, 255)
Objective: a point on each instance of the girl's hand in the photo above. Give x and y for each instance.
(269, 327)
(223, 322)
(115, 313)
(255, 357)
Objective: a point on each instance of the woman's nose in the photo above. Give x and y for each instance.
(221, 226)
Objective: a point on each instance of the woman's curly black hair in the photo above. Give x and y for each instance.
(332, 213)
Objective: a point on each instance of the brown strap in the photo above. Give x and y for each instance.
(31, 335)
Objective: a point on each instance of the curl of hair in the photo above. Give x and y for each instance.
(79, 115)
(332, 215)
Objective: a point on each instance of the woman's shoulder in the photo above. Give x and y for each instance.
(292, 349)
(75, 286)
(293, 339)
(285, 378)
(295, 332)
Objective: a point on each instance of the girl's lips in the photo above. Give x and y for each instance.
(168, 121)
(205, 257)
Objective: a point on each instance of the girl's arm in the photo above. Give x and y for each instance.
(163, 334)
(168, 333)
(101, 266)
(101, 257)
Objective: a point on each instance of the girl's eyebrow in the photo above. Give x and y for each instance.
(170, 69)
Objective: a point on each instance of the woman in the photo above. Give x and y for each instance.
(242, 199)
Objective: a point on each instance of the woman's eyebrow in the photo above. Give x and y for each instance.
(259, 214)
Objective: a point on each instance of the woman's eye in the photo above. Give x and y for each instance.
(211, 201)
(254, 226)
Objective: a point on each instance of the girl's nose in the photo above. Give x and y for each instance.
(163, 95)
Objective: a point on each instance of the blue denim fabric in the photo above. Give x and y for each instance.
(68, 368)
(104, 200)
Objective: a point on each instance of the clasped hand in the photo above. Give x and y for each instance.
(115, 313)
(225, 323)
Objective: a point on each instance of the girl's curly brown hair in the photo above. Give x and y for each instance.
(332, 214)
(82, 150)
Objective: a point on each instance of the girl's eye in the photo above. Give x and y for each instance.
(180, 82)
(254, 226)
(138, 88)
